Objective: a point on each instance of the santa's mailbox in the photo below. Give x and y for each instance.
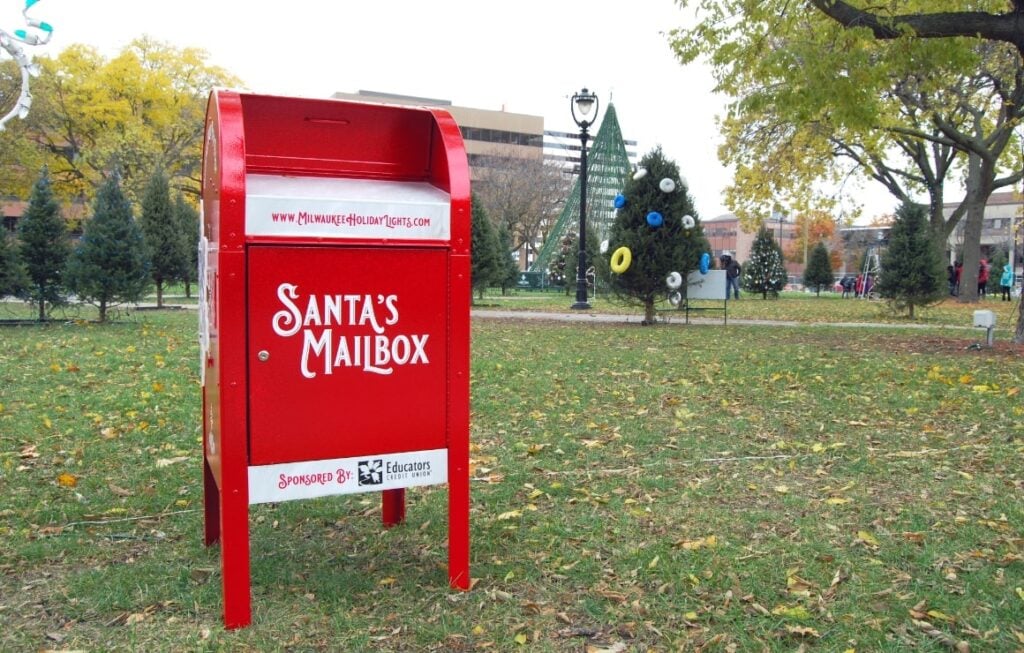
(335, 318)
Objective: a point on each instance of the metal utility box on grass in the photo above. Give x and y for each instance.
(334, 323)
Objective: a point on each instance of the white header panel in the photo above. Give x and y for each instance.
(321, 207)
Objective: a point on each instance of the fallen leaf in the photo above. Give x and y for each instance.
(867, 538)
(836, 501)
(802, 631)
(521, 639)
(617, 647)
(511, 514)
(167, 462)
(134, 618)
(67, 480)
(797, 612)
(119, 491)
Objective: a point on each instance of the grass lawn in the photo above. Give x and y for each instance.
(739, 488)
(789, 306)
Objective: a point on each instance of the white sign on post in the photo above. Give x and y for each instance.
(706, 286)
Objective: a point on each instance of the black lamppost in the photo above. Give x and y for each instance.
(584, 102)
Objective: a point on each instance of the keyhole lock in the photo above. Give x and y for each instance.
(264, 356)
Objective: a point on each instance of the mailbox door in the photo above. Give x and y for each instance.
(347, 351)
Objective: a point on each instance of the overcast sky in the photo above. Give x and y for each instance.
(526, 57)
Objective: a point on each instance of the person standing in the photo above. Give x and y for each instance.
(732, 278)
(982, 278)
(1006, 282)
(951, 278)
(959, 269)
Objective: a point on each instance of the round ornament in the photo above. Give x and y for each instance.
(655, 219)
(674, 281)
(667, 185)
(621, 259)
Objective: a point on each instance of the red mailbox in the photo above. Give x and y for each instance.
(335, 316)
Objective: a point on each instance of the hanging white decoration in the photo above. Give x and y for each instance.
(9, 41)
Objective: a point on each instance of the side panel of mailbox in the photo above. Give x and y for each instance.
(223, 316)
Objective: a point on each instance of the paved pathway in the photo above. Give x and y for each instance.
(606, 318)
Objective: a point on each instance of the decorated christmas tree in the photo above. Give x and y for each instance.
(655, 233)
(764, 272)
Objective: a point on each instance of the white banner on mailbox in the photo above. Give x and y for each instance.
(321, 207)
(323, 478)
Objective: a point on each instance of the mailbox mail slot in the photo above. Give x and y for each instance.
(334, 324)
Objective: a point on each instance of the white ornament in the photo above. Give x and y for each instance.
(674, 281)
(639, 174)
(604, 246)
(667, 185)
(688, 222)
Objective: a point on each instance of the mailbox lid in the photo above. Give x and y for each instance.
(347, 351)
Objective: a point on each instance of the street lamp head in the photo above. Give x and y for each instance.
(584, 102)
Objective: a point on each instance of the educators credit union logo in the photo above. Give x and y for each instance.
(324, 321)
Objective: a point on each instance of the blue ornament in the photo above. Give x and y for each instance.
(654, 219)
(620, 201)
(705, 262)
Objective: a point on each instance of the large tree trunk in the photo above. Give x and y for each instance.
(103, 311)
(159, 293)
(979, 188)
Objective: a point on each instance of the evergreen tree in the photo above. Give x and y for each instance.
(13, 278)
(995, 270)
(912, 271)
(509, 270)
(818, 274)
(162, 235)
(109, 266)
(187, 218)
(486, 261)
(44, 247)
(563, 266)
(764, 272)
(650, 224)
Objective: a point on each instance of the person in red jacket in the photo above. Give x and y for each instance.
(982, 278)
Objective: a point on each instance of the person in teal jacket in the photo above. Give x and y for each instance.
(1006, 282)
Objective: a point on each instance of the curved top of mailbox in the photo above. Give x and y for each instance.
(323, 169)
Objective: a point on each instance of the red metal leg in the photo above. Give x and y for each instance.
(211, 506)
(393, 507)
(458, 518)
(235, 562)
